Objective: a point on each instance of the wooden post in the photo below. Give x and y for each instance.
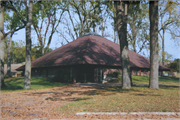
(95, 75)
(101, 74)
(47, 72)
(39, 72)
(85, 78)
(71, 76)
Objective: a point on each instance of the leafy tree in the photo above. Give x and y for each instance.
(174, 66)
(12, 23)
(26, 17)
(121, 23)
(169, 22)
(18, 52)
(138, 23)
(154, 62)
(45, 16)
(82, 16)
(3, 35)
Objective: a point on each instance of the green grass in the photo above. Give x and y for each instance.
(145, 79)
(16, 84)
(137, 99)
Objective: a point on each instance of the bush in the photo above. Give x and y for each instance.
(114, 74)
(174, 66)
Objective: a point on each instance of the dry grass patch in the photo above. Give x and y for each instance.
(137, 99)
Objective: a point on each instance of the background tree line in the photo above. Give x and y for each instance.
(18, 52)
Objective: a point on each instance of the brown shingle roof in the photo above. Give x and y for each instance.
(90, 49)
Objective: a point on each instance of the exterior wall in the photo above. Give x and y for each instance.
(14, 72)
(43, 72)
(83, 74)
(68, 74)
(110, 71)
(133, 72)
(173, 74)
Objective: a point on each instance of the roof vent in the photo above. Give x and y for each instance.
(90, 33)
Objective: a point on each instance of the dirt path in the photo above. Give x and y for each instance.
(44, 104)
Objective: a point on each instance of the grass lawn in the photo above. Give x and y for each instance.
(145, 79)
(137, 99)
(16, 84)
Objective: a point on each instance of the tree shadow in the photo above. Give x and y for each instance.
(71, 94)
(12, 84)
(12, 87)
(169, 87)
(145, 94)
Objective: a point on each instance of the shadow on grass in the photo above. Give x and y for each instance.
(169, 87)
(168, 79)
(13, 84)
(12, 87)
(140, 94)
(60, 94)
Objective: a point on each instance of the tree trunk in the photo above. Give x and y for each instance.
(9, 57)
(134, 37)
(103, 27)
(42, 50)
(154, 64)
(163, 53)
(114, 36)
(121, 23)
(1, 45)
(27, 77)
(114, 25)
(117, 38)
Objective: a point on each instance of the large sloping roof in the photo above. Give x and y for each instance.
(93, 50)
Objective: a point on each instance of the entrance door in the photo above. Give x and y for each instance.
(85, 74)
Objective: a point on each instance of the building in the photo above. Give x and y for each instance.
(86, 59)
(14, 72)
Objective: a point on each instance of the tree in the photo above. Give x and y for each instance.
(27, 75)
(121, 23)
(12, 23)
(1, 45)
(82, 16)
(8, 56)
(154, 62)
(45, 16)
(18, 51)
(169, 22)
(4, 4)
(174, 66)
(26, 17)
(138, 23)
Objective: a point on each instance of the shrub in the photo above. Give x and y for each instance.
(174, 66)
(116, 73)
